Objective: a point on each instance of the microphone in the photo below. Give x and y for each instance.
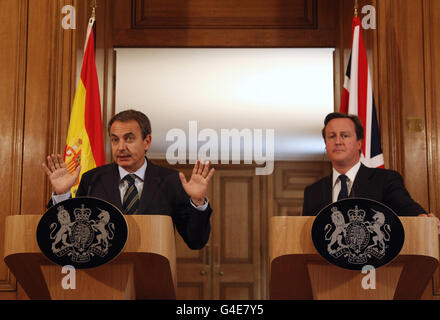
(92, 182)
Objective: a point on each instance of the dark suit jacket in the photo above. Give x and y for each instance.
(162, 194)
(385, 186)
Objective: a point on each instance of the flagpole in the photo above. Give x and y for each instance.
(93, 5)
(92, 20)
(356, 8)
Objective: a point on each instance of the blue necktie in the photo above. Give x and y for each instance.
(130, 201)
(344, 190)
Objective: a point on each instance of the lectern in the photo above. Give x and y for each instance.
(145, 269)
(297, 271)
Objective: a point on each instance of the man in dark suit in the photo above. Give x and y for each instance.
(137, 186)
(343, 135)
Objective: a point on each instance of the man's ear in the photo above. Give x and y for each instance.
(147, 142)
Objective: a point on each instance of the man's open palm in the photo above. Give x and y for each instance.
(197, 186)
(60, 178)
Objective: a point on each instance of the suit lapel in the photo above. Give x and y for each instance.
(110, 180)
(151, 186)
(360, 182)
(327, 189)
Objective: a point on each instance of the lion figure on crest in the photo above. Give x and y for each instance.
(375, 227)
(340, 225)
(100, 226)
(65, 230)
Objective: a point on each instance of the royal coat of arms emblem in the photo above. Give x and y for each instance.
(355, 232)
(83, 232)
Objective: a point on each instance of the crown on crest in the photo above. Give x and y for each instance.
(356, 215)
(82, 213)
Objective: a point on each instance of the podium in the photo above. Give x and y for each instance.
(297, 271)
(145, 269)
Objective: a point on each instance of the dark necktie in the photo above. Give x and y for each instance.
(130, 201)
(344, 190)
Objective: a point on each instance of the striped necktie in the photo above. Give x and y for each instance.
(131, 197)
(344, 190)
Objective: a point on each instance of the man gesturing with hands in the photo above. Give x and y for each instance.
(137, 186)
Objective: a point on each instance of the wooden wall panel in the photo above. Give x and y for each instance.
(402, 97)
(431, 19)
(190, 291)
(431, 13)
(236, 223)
(13, 31)
(256, 14)
(225, 23)
(290, 179)
(237, 291)
(38, 59)
(39, 103)
(237, 235)
(48, 97)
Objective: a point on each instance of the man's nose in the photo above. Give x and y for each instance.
(338, 139)
(121, 145)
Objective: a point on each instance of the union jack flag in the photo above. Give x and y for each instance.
(357, 98)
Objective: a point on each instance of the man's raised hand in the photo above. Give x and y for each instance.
(60, 178)
(197, 186)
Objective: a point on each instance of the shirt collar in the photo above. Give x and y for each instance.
(351, 174)
(140, 173)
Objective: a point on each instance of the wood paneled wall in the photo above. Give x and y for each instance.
(401, 68)
(431, 56)
(40, 62)
(226, 23)
(12, 91)
(431, 46)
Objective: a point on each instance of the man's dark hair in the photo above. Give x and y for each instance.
(356, 120)
(128, 115)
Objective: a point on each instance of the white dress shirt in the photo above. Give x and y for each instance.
(351, 175)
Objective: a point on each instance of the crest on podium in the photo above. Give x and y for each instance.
(355, 232)
(83, 232)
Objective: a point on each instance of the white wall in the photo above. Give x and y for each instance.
(288, 90)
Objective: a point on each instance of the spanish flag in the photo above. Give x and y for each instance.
(84, 144)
